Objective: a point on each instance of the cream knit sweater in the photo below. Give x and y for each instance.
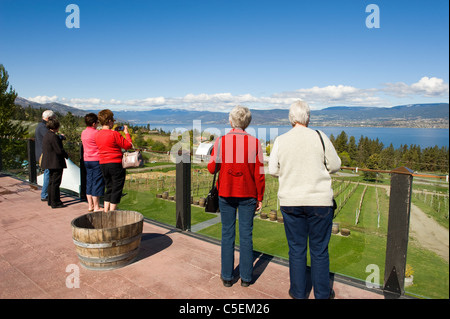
(297, 158)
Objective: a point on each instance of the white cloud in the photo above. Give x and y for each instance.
(43, 99)
(335, 95)
(317, 97)
(428, 87)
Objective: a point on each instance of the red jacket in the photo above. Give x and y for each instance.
(110, 144)
(241, 165)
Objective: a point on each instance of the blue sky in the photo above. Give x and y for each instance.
(214, 54)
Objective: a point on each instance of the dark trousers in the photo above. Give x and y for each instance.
(311, 224)
(114, 176)
(246, 210)
(53, 187)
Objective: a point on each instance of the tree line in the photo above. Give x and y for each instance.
(372, 154)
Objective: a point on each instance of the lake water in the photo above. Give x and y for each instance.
(425, 137)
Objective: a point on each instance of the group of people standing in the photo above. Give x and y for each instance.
(102, 155)
(303, 160)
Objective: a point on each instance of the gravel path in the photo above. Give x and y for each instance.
(429, 233)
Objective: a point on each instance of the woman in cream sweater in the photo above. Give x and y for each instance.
(303, 166)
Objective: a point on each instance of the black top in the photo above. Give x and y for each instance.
(53, 152)
(39, 134)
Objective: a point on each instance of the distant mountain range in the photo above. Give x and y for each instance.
(56, 107)
(414, 115)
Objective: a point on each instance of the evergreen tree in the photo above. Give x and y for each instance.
(387, 158)
(372, 163)
(363, 151)
(69, 127)
(12, 133)
(352, 149)
(8, 129)
(333, 140)
(341, 142)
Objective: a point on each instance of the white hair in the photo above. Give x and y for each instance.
(240, 117)
(299, 113)
(46, 114)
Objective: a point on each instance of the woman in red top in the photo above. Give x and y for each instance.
(241, 186)
(110, 144)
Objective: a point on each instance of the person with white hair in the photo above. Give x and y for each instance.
(241, 185)
(41, 130)
(303, 166)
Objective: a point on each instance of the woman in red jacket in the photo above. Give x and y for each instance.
(241, 186)
(110, 144)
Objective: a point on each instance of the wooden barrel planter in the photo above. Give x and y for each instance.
(263, 215)
(273, 215)
(201, 201)
(158, 195)
(335, 228)
(345, 232)
(165, 195)
(105, 241)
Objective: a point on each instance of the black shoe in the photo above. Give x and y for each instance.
(44, 199)
(245, 283)
(332, 294)
(227, 283)
(61, 205)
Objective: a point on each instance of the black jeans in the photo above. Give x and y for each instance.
(53, 187)
(114, 176)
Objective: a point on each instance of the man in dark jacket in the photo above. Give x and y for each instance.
(53, 159)
(39, 134)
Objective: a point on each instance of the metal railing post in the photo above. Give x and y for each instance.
(1, 157)
(398, 232)
(183, 191)
(32, 175)
(82, 175)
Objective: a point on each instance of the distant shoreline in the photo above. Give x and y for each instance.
(321, 124)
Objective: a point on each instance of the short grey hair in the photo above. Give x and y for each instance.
(240, 117)
(46, 114)
(299, 112)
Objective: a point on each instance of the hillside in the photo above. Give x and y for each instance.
(414, 115)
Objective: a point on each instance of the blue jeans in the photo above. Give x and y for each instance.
(46, 179)
(301, 223)
(95, 185)
(246, 208)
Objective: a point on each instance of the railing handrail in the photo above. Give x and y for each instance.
(391, 171)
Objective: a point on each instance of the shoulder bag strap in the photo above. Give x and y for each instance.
(323, 145)
(215, 169)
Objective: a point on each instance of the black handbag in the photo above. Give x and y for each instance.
(325, 163)
(212, 200)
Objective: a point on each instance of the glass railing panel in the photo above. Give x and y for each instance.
(427, 268)
(358, 242)
(151, 190)
(14, 157)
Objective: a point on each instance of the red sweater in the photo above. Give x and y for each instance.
(241, 165)
(110, 144)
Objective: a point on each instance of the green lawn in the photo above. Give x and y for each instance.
(147, 204)
(349, 256)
